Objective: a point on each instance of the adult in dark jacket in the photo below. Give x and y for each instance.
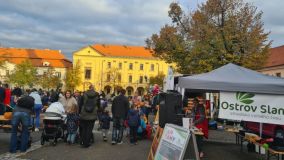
(2, 97)
(21, 115)
(88, 116)
(120, 108)
(79, 99)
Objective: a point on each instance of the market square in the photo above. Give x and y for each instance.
(160, 80)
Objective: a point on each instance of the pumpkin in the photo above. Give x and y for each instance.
(8, 115)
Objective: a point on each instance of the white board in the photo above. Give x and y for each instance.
(262, 108)
(173, 143)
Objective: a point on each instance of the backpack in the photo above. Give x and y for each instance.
(133, 120)
(90, 104)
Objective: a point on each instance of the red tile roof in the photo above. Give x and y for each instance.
(275, 57)
(123, 51)
(37, 57)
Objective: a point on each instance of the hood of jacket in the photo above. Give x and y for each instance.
(91, 94)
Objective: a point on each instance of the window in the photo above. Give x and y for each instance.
(141, 79)
(130, 79)
(119, 77)
(58, 74)
(131, 66)
(88, 73)
(108, 77)
(278, 74)
(141, 67)
(129, 92)
(146, 79)
(108, 64)
(119, 65)
(152, 67)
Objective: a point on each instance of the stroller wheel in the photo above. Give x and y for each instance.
(42, 140)
(54, 142)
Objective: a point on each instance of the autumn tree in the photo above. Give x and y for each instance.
(23, 75)
(158, 79)
(113, 76)
(217, 33)
(73, 76)
(2, 63)
(49, 80)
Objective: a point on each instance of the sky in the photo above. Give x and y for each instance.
(69, 25)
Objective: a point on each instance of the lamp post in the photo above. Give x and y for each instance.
(102, 75)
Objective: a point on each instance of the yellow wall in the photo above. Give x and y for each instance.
(89, 58)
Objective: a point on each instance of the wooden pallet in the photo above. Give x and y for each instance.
(155, 143)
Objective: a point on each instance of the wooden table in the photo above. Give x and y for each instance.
(4, 123)
(197, 131)
(269, 152)
(2, 118)
(239, 137)
(273, 153)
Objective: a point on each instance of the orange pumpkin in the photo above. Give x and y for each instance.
(8, 115)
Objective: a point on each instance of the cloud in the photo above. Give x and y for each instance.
(272, 18)
(68, 25)
(71, 24)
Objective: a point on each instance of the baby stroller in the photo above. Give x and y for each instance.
(54, 125)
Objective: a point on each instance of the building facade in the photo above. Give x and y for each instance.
(42, 59)
(275, 62)
(110, 67)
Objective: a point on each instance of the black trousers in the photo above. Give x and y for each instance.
(199, 141)
(133, 134)
(86, 129)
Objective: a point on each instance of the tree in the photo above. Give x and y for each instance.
(113, 76)
(159, 79)
(73, 76)
(2, 63)
(24, 74)
(49, 80)
(217, 33)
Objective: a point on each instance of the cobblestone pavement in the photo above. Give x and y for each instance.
(225, 150)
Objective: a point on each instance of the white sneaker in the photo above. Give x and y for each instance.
(120, 142)
(36, 129)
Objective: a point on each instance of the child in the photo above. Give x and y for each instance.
(141, 131)
(72, 124)
(105, 121)
(133, 122)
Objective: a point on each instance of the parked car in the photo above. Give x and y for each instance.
(270, 130)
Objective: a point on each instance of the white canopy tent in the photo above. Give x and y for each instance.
(234, 78)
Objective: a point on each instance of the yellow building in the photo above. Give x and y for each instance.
(110, 67)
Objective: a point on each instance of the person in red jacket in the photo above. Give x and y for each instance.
(7, 98)
(200, 121)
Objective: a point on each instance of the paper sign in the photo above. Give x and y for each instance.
(185, 123)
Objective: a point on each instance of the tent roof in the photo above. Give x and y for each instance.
(234, 78)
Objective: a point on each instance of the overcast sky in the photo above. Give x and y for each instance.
(69, 25)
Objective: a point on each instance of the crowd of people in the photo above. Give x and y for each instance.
(82, 109)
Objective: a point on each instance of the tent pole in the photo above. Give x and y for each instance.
(260, 129)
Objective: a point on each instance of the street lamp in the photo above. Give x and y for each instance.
(102, 75)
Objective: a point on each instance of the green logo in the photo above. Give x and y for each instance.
(245, 97)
